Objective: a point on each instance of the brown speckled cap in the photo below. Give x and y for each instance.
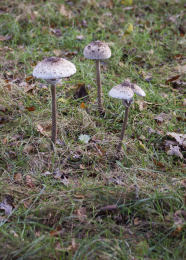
(121, 91)
(136, 89)
(97, 51)
(54, 68)
(126, 90)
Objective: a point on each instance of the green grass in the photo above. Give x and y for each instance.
(53, 220)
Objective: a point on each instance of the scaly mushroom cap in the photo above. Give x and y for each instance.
(136, 89)
(97, 51)
(54, 68)
(121, 91)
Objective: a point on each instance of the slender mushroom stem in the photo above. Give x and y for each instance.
(99, 89)
(124, 126)
(54, 114)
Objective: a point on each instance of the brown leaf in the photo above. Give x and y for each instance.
(81, 213)
(29, 89)
(29, 181)
(57, 52)
(29, 79)
(43, 129)
(57, 232)
(5, 38)
(30, 108)
(79, 196)
(18, 177)
(172, 79)
(142, 105)
(8, 86)
(65, 12)
(159, 164)
(28, 148)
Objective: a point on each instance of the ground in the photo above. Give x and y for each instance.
(83, 200)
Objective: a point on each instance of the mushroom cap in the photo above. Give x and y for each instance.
(136, 89)
(54, 68)
(97, 51)
(121, 91)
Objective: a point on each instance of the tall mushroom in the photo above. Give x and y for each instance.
(52, 70)
(97, 51)
(125, 91)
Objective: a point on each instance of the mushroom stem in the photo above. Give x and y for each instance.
(54, 116)
(124, 126)
(99, 89)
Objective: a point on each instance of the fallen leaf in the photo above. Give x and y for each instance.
(74, 246)
(13, 233)
(57, 52)
(180, 138)
(159, 164)
(43, 131)
(175, 150)
(57, 232)
(29, 181)
(179, 222)
(28, 148)
(129, 29)
(181, 69)
(79, 196)
(59, 175)
(162, 117)
(5, 38)
(57, 32)
(18, 177)
(29, 79)
(81, 213)
(65, 12)
(142, 105)
(7, 205)
(142, 146)
(29, 89)
(32, 108)
(172, 79)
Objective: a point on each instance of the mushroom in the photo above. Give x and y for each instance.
(97, 50)
(52, 70)
(125, 91)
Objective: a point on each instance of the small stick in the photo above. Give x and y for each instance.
(99, 89)
(54, 116)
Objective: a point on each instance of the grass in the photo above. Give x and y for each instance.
(61, 215)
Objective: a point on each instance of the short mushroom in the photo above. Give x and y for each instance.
(52, 70)
(125, 91)
(97, 50)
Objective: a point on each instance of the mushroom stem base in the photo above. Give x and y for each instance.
(54, 116)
